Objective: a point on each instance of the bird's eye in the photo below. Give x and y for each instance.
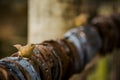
(32, 44)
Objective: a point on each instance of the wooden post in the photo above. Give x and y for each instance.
(49, 19)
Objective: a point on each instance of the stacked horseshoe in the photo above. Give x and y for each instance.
(59, 59)
(50, 61)
(109, 30)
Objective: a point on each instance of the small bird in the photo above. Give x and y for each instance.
(25, 51)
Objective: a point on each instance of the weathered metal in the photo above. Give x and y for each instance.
(59, 59)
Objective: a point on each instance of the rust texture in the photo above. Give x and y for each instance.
(109, 30)
(59, 59)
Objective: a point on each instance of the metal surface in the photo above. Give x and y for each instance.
(59, 59)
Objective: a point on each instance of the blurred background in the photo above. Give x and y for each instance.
(13, 25)
(23, 21)
(32, 21)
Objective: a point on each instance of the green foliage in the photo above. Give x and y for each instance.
(101, 71)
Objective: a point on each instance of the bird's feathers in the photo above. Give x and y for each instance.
(25, 51)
